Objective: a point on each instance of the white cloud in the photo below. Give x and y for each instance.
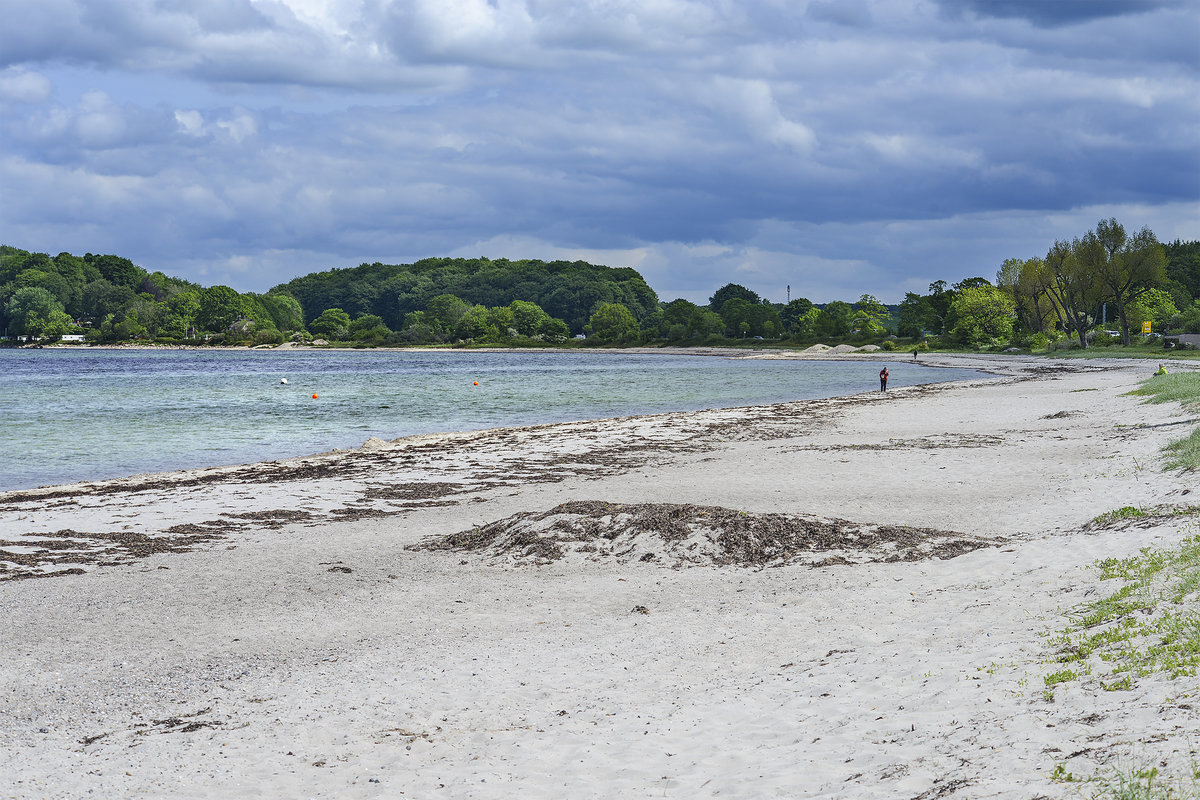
(190, 122)
(240, 126)
(751, 105)
(21, 85)
(99, 123)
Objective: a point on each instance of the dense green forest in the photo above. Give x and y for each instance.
(1082, 292)
(569, 291)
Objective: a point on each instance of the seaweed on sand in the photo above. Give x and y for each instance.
(692, 535)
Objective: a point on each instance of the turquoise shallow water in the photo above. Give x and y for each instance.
(71, 415)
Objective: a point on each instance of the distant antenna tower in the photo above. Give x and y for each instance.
(789, 293)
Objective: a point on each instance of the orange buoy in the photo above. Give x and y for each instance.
(314, 397)
(476, 383)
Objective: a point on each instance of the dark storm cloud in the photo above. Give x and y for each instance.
(1055, 13)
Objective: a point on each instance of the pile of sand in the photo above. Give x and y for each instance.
(679, 535)
(818, 348)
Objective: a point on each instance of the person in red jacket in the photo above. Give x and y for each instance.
(883, 376)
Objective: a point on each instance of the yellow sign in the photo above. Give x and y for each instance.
(1145, 327)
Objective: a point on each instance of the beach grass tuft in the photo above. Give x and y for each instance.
(1182, 388)
(1145, 783)
(1134, 783)
(1154, 515)
(1175, 387)
(1150, 625)
(1184, 453)
(1127, 512)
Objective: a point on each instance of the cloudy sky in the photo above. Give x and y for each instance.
(836, 146)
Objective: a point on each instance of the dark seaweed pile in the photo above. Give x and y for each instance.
(683, 535)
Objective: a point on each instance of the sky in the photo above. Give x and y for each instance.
(839, 147)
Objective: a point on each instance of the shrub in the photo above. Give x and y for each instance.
(888, 345)
(1036, 341)
(268, 336)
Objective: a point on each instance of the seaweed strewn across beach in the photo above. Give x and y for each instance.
(498, 614)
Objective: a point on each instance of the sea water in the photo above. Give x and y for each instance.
(70, 415)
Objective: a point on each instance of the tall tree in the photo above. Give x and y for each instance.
(1015, 277)
(1072, 287)
(794, 315)
(220, 307)
(729, 292)
(982, 314)
(912, 315)
(527, 318)
(1127, 267)
(285, 311)
(940, 299)
(33, 311)
(333, 324)
(444, 311)
(836, 318)
(613, 322)
(870, 316)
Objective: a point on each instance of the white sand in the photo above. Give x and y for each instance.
(320, 658)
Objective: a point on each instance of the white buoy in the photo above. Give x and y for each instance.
(283, 380)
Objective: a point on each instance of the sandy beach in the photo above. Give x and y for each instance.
(850, 597)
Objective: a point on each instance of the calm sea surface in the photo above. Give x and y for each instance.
(71, 415)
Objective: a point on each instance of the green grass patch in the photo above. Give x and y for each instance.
(1128, 512)
(1149, 625)
(1147, 352)
(1155, 514)
(1133, 783)
(1182, 388)
(1184, 453)
(1175, 387)
(1144, 784)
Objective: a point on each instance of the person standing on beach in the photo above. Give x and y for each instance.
(883, 376)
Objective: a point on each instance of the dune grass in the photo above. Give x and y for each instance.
(1182, 388)
(1184, 453)
(1133, 783)
(1175, 387)
(1150, 625)
(1145, 784)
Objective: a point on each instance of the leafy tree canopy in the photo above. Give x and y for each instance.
(731, 291)
(570, 291)
(219, 307)
(982, 315)
(333, 325)
(613, 322)
(33, 311)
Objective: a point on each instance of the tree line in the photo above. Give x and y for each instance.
(1082, 291)
(112, 299)
(1105, 276)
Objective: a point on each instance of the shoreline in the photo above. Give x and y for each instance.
(269, 627)
(1005, 366)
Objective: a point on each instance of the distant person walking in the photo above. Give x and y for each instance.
(883, 376)
(914, 354)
